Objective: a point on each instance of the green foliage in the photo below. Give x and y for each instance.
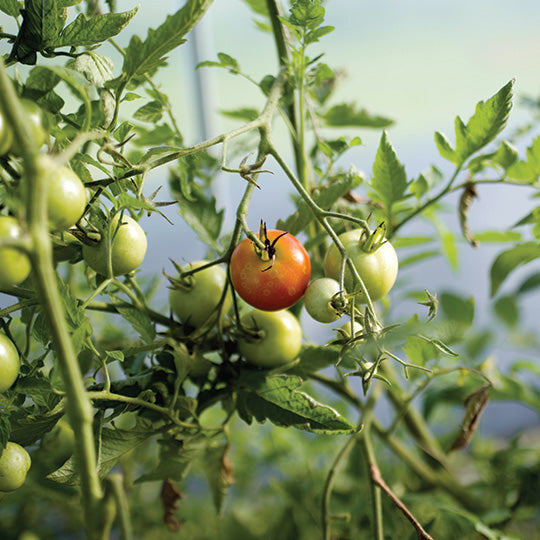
(144, 56)
(278, 399)
(389, 180)
(177, 411)
(346, 115)
(485, 124)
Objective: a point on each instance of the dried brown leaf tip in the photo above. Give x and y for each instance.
(169, 498)
(475, 404)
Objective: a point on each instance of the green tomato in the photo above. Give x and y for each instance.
(128, 247)
(279, 342)
(14, 264)
(195, 303)
(34, 116)
(320, 300)
(10, 363)
(6, 136)
(377, 268)
(58, 444)
(345, 331)
(66, 197)
(14, 464)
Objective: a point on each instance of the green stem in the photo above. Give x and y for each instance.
(280, 38)
(441, 478)
(376, 499)
(428, 203)
(379, 484)
(326, 517)
(79, 408)
(116, 485)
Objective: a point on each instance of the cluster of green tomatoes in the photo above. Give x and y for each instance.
(120, 249)
(270, 275)
(273, 275)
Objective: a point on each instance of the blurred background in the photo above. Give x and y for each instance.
(419, 63)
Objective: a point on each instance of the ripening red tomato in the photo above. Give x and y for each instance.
(275, 278)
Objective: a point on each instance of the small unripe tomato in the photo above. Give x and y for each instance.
(6, 136)
(377, 266)
(194, 303)
(346, 331)
(279, 340)
(319, 300)
(14, 464)
(58, 444)
(14, 264)
(128, 247)
(10, 363)
(66, 194)
(34, 116)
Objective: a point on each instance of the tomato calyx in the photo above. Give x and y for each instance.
(268, 251)
(252, 333)
(370, 242)
(184, 280)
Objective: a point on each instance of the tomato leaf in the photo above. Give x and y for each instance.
(389, 180)
(150, 112)
(485, 124)
(200, 213)
(246, 114)
(42, 23)
(498, 236)
(26, 428)
(277, 398)
(86, 32)
(114, 443)
(529, 170)
(509, 260)
(475, 403)
(532, 282)
(138, 319)
(218, 470)
(10, 7)
(176, 458)
(144, 56)
(347, 115)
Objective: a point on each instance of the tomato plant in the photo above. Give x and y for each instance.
(165, 379)
(10, 363)
(274, 277)
(323, 301)
(195, 298)
(15, 265)
(57, 445)
(66, 195)
(124, 241)
(34, 117)
(377, 264)
(14, 465)
(273, 338)
(6, 136)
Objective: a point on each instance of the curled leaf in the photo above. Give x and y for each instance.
(465, 201)
(169, 498)
(475, 404)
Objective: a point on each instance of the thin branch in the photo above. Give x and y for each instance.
(377, 479)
